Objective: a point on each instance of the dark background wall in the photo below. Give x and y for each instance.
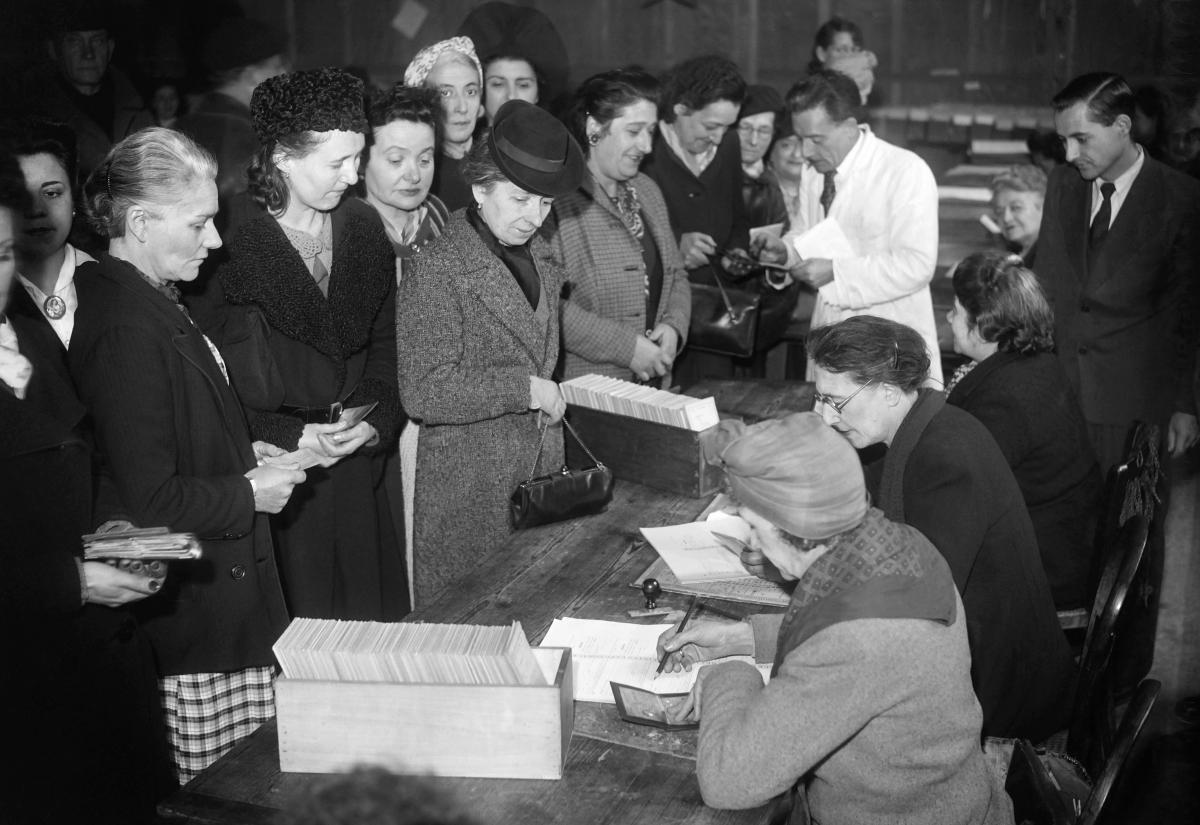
(1016, 51)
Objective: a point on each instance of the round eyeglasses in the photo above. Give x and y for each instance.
(838, 406)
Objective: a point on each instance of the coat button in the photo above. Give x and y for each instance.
(1083, 350)
(238, 571)
(1085, 307)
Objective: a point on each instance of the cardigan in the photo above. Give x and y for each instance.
(1028, 406)
(711, 203)
(605, 307)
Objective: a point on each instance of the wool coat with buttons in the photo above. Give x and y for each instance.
(605, 307)
(171, 433)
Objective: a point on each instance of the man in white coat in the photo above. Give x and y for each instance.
(884, 202)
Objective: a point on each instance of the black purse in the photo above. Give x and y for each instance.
(724, 321)
(562, 495)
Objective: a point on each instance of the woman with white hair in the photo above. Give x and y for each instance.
(452, 68)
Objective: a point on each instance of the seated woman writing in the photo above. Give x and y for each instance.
(869, 715)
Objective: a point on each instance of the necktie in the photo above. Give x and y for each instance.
(1103, 218)
(828, 192)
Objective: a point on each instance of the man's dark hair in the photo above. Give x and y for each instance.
(700, 81)
(1107, 96)
(835, 92)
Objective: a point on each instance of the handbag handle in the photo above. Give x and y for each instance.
(542, 442)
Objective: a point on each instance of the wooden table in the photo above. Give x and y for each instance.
(615, 772)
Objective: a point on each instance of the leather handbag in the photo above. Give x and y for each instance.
(724, 321)
(562, 495)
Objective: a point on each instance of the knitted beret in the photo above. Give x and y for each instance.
(317, 100)
(425, 60)
(797, 472)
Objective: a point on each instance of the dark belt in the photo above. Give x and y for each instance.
(314, 415)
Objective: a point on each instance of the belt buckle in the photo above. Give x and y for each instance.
(335, 412)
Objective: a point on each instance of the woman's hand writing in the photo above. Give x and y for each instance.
(701, 641)
(545, 396)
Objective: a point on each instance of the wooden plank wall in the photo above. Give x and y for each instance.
(1012, 51)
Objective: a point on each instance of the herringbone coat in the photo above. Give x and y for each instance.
(468, 341)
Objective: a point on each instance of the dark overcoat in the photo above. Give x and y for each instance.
(171, 433)
(286, 344)
(944, 475)
(605, 309)
(1029, 408)
(468, 342)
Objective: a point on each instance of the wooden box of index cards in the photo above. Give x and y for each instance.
(494, 731)
(646, 452)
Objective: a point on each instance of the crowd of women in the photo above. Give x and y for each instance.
(440, 254)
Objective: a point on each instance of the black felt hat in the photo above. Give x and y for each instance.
(239, 41)
(534, 150)
(317, 100)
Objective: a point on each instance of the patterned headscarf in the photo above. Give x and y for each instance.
(425, 60)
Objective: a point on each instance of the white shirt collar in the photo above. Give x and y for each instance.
(696, 163)
(1123, 181)
(846, 167)
(64, 287)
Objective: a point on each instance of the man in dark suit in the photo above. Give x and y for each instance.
(1118, 253)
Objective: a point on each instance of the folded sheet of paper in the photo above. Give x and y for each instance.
(694, 554)
(604, 652)
(824, 240)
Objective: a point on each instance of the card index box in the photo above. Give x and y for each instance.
(657, 455)
(493, 731)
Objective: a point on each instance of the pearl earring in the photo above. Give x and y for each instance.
(593, 139)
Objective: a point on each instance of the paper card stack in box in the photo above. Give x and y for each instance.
(454, 700)
(645, 435)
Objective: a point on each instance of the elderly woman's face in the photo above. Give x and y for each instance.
(629, 138)
(400, 166)
(767, 539)
(179, 236)
(964, 334)
(457, 85)
(510, 212)
(754, 134)
(863, 418)
(319, 179)
(48, 222)
(506, 80)
(1019, 215)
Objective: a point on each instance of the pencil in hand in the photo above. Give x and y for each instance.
(693, 605)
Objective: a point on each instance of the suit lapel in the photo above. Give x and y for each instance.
(1129, 226)
(1075, 207)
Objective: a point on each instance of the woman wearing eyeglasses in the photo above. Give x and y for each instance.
(943, 474)
(756, 127)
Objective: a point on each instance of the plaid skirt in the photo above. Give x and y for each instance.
(208, 713)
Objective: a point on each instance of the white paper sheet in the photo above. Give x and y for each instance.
(604, 652)
(824, 240)
(694, 554)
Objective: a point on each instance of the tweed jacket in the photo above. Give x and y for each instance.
(1027, 405)
(605, 307)
(171, 432)
(1126, 326)
(944, 475)
(468, 341)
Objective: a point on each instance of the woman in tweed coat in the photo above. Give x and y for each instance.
(628, 302)
(477, 330)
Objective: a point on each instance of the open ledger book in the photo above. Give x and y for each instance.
(604, 652)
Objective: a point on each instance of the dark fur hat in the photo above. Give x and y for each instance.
(317, 100)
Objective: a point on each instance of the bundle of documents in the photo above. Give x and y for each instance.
(612, 395)
(143, 543)
(331, 650)
(604, 652)
(695, 554)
